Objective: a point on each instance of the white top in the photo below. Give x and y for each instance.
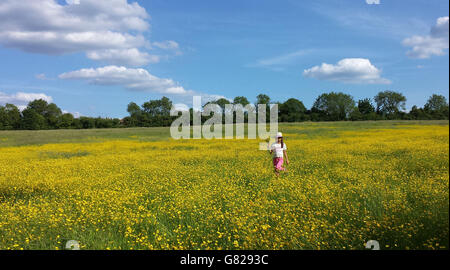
(277, 149)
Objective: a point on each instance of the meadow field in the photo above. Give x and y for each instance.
(348, 182)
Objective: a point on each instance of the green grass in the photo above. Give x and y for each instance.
(308, 129)
(29, 137)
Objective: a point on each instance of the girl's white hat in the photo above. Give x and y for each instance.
(279, 135)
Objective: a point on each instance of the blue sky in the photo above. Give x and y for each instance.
(94, 57)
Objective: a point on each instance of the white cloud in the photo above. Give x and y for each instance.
(21, 99)
(130, 57)
(167, 45)
(348, 70)
(41, 76)
(92, 26)
(88, 15)
(130, 78)
(138, 79)
(373, 2)
(54, 43)
(433, 44)
(73, 2)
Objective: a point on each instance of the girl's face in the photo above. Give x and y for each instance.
(279, 139)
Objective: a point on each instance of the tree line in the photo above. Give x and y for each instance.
(333, 106)
(39, 115)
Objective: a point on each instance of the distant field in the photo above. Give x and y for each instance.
(28, 137)
(25, 137)
(348, 182)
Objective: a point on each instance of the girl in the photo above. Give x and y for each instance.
(278, 149)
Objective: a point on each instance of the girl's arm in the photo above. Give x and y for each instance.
(285, 154)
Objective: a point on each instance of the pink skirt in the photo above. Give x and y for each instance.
(278, 163)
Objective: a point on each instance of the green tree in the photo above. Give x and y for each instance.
(292, 110)
(437, 107)
(66, 120)
(365, 106)
(9, 117)
(436, 103)
(334, 106)
(129, 121)
(52, 115)
(76, 124)
(3, 118)
(356, 115)
(103, 122)
(241, 100)
(389, 103)
(156, 113)
(262, 99)
(87, 122)
(50, 112)
(39, 106)
(133, 109)
(159, 107)
(13, 115)
(32, 120)
(419, 114)
(366, 110)
(135, 118)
